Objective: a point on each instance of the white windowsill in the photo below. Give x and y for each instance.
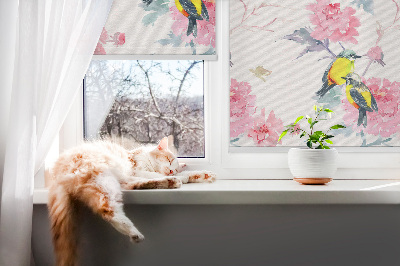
(264, 192)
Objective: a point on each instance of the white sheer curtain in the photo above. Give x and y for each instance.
(55, 41)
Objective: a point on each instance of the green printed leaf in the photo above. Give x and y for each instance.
(328, 110)
(337, 127)
(367, 5)
(283, 134)
(173, 40)
(329, 141)
(298, 119)
(157, 8)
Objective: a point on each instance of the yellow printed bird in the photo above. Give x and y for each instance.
(340, 67)
(359, 95)
(194, 10)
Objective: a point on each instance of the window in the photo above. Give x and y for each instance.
(142, 101)
(218, 156)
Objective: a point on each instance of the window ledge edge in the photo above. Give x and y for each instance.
(228, 192)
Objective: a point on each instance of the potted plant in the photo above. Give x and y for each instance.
(315, 164)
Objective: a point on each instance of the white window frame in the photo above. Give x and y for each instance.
(228, 163)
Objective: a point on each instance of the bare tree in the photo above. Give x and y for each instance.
(150, 101)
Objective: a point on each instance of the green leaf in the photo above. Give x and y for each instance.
(298, 119)
(329, 141)
(309, 144)
(327, 137)
(313, 123)
(283, 134)
(302, 134)
(337, 127)
(328, 110)
(310, 120)
(316, 135)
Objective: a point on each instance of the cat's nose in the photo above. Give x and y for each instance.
(171, 172)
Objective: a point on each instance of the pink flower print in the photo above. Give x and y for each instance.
(376, 54)
(99, 49)
(266, 132)
(242, 107)
(386, 121)
(103, 36)
(205, 29)
(333, 23)
(296, 130)
(118, 38)
(121, 38)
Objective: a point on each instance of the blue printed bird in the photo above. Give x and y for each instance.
(339, 68)
(194, 10)
(359, 95)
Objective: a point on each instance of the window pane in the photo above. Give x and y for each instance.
(142, 101)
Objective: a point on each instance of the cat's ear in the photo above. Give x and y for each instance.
(171, 146)
(163, 145)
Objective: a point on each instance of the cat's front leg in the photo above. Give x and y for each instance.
(197, 177)
(155, 183)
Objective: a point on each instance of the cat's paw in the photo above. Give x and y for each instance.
(201, 176)
(210, 177)
(138, 237)
(182, 167)
(174, 182)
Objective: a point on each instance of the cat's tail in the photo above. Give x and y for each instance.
(62, 212)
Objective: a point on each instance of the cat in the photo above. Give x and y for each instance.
(94, 174)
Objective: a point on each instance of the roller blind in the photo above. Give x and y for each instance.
(287, 56)
(182, 29)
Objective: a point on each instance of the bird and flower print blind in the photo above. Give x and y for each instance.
(159, 27)
(287, 56)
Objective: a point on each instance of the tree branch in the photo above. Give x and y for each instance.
(146, 73)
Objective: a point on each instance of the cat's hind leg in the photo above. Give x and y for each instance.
(103, 195)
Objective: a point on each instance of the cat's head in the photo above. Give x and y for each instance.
(164, 160)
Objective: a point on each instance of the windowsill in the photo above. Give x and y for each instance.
(264, 192)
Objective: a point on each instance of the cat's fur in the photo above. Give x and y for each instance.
(94, 174)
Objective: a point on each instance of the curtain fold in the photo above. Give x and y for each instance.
(55, 43)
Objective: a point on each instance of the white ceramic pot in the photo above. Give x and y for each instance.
(310, 166)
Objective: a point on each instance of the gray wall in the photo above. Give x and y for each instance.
(237, 235)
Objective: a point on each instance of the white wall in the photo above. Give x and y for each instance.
(237, 235)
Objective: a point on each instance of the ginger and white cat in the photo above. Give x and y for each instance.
(94, 174)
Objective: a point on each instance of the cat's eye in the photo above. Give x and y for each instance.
(143, 101)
